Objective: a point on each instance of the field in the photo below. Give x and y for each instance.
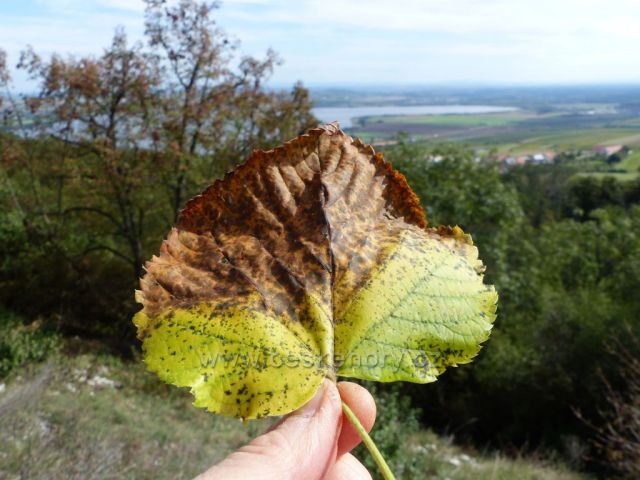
(627, 169)
(631, 163)
(556, 129)
(490, 120)
(566, 140)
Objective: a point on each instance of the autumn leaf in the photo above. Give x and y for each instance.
(308, 261)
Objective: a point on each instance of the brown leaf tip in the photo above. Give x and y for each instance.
(402, 199)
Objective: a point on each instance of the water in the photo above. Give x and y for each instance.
(345, 115)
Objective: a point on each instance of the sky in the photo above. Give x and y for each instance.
(376, 42)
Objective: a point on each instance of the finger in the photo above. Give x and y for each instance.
(348, 467)
(364, 407)
(302, 446)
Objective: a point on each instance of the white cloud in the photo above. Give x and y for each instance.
(383, 41)
(67, 26)
(436, 40)
(459, 16)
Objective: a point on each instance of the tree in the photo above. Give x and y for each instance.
(169, 117)
(99, 162)
(461, 189)
(212, 114)
(100, 108)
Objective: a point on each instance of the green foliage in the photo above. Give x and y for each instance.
(549, 348)
(587, 193)
(48, 272)
(396, 421)
(542, 189)
(455, 186)
(414, 452)
(90, 416)
(564, 253)
(21, 344)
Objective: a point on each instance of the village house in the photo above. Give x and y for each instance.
(608, 150)
(534, 158)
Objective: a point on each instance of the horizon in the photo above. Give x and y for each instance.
(465, 86)
(467, 90)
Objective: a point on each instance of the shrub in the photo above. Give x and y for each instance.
(617, 437)
(397, 420)
(21, 344)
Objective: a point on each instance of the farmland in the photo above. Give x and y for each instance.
(509, 131)
(545, 120)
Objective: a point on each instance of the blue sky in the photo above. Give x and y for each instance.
(377, 42)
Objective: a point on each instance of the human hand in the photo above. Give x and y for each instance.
(312, 443)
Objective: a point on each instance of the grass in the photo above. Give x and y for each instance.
(441, 459)
(631, 163)
(367, 136)
(634, 122)
(95, 417)
(622, 176)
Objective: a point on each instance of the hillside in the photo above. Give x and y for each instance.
(93, 416)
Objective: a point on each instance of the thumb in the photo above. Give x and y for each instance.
(303, 445)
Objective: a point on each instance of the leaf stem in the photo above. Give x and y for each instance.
(386, 472)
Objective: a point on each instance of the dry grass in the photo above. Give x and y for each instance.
(95, 418)
(70, 421)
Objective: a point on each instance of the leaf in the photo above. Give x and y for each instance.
(308, 261)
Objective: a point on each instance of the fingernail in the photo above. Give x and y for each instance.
(313, 405)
